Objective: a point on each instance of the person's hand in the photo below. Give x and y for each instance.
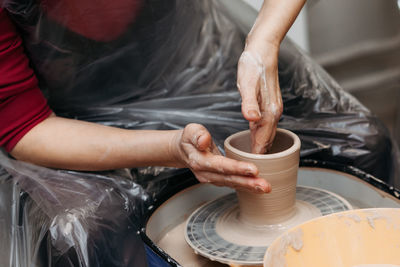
(261, 95)
(194, 148)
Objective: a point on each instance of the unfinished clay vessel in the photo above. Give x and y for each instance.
(237, 228)
(279, 167)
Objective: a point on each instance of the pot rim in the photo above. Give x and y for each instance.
(292, 149)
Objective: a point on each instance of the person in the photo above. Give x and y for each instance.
(31, 132)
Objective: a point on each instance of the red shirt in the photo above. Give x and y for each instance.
(22, 104)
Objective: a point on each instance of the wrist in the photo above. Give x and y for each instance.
(266, 52)
(175, 151)
(258, 41)
(264, 34)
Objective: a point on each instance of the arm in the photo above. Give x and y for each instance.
(72, 144)
(258, 81)
(30, 133)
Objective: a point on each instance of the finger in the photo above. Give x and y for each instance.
(226, 166)
(258, 143)
(214, 149)
(250, 106)
(262, 140)
(204, 141)
(248, 86)
(271, 139)
(271, 97)
(198, 136)
(253, 184)
(262, 135)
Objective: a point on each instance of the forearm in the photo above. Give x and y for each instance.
(76, 145)
(70, 144)
(273, 22)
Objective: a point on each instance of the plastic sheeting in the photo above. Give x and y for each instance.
(175, 64)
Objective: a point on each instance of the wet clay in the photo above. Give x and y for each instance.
(250, 225)
(260, 218)
(175, 245)
(230, 228)
(215, 230)
(279, 167)
(292, 239)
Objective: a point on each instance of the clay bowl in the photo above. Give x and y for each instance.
(356, 238)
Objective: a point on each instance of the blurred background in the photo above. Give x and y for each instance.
(358, 43)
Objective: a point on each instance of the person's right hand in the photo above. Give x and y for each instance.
(259, 88)
(194, 149)
(257, 77)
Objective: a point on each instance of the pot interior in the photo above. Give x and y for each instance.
(282, 142)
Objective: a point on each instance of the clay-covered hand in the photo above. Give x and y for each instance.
(258, 70)
(194, 148)
(261, 95)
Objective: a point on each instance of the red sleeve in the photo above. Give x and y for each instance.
(22, 104)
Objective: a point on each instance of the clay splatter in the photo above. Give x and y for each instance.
(292, 239)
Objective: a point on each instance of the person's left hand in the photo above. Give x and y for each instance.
(194, 148)
(261, 95)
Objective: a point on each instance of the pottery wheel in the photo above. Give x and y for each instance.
(215, 231)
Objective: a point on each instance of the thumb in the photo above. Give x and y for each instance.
(204, 141)
(198, 136)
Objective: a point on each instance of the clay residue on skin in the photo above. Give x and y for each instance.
(273, 108)
(247, 56)
(255, 59)
(105, 154)
(276, 258)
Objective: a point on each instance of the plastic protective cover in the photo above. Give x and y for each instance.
(173, 65)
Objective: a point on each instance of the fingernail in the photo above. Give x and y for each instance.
(267, 189)
(254, 114)
(197, 140)
(259, 189)
(249, 172)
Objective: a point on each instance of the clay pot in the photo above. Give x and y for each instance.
(279, 167)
